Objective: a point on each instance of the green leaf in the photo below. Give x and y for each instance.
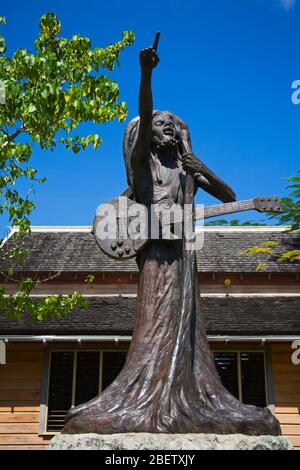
(31, 108)
(89, 279)
(97, 141)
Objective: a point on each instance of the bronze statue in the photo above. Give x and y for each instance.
(169, 383)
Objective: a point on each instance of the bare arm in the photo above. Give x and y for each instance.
(211, 182)
(148, 60)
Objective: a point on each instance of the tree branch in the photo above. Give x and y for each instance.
(12, 137)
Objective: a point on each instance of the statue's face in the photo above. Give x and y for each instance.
(164, 133)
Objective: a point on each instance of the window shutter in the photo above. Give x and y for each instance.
(227, 367)
(87, 383)
(113, 363)
(253, 378)
(60, 389)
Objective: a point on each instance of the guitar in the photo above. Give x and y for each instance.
(126, 222)
(260, 204)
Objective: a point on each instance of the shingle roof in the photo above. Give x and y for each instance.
(78, 252)
(224, 316)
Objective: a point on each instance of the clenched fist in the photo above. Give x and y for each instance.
(190, 162)
(148, 58)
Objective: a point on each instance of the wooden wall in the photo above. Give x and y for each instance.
(286, 382)
(20, 384)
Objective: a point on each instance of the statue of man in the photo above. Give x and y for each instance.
(169, 383)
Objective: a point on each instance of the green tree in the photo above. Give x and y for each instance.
(233, 223)
(290, 213)
(290, 216)
(48, 94)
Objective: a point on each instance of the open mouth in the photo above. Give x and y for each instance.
(168, 132)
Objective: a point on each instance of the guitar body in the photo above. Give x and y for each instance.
(121, 228)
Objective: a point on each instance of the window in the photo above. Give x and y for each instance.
(243, 374)
(76, 377)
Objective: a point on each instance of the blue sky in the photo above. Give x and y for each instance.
(226, 68)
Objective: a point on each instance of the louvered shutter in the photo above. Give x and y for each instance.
(60, 389)
(227, 367)
(112, 364)
(87, 376)
(253, 378)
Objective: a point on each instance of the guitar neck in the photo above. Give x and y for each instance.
(227, 208)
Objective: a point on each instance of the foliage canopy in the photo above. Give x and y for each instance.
(48, 94)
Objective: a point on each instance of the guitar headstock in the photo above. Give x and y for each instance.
(267, 204)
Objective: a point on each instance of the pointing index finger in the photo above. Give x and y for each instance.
(156, 40)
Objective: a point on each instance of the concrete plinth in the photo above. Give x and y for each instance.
(147, 441)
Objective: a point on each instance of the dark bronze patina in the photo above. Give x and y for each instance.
(169, 383)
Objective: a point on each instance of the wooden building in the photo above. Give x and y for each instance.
(253, 323)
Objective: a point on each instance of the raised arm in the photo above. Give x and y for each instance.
(148, 60)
